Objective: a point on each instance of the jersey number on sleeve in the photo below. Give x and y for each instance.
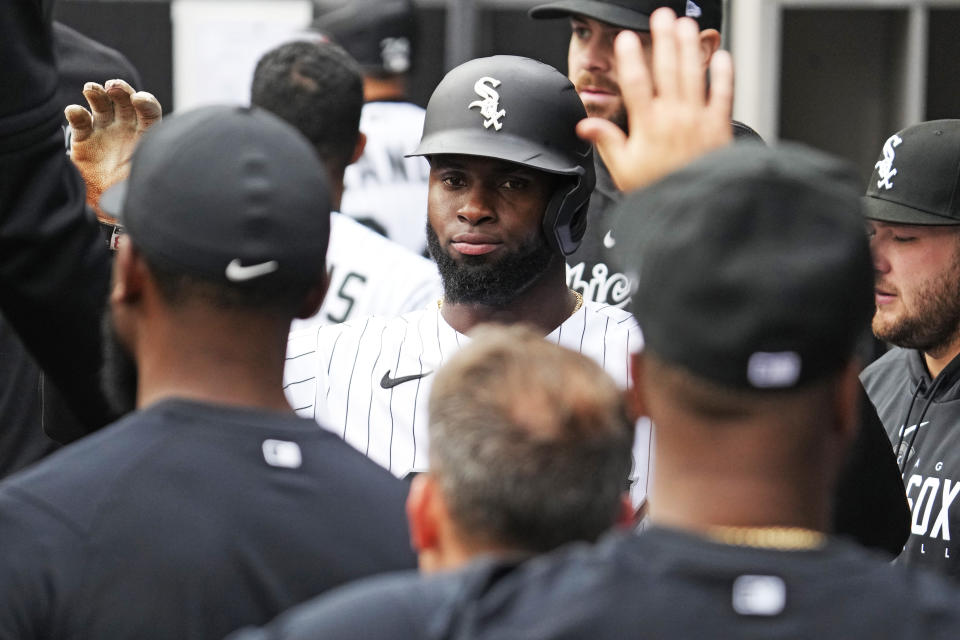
(348, 297)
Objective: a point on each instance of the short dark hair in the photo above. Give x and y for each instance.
(316, 87)
(530, 442)
(720, 404)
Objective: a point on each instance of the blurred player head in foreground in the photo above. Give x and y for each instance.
(529, 446)
(207, 269)
(751, 307)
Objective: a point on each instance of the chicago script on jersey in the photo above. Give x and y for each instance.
(612, 289)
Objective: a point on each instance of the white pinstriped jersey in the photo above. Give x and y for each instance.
(341, 376)
(371, 275)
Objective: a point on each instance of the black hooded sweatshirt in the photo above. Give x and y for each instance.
(922, 419)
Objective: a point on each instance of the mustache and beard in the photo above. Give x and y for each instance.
(934, 321)
(615, 114)
(478, 280)
(118, 378)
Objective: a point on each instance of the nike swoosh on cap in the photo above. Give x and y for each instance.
(236, 272)
(387, 382)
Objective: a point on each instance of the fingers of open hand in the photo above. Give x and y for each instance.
(101, 106)
(80, 121)
(663, 33)
(720, 106)
(690, 81)
(120, 92)
(148, 109)
(633, 77)
(614, 148)
(604, 134)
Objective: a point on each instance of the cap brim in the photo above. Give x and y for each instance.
(112, 200)
(602, 11)
(501, 147)
(883, 210)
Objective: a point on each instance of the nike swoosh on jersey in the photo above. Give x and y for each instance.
(387, 382)
(236, 272)
(608, 240)
(913, 428)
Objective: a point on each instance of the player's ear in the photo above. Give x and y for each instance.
(359, 147)
(314, 298)
(636, 406)
(422, 517)
(129, 273)
(709, 43)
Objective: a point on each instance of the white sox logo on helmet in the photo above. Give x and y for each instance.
(490, 105)
(885, 167)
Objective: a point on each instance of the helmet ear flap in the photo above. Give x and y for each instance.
(565, 218)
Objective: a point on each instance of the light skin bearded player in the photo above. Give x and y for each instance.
(913, 218)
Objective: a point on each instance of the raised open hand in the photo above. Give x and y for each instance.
(671, 119)
(104, 137)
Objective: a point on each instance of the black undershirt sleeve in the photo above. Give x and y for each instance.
(870, 505)
(54, 270)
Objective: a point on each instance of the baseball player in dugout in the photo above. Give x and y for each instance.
(318, 88)
(592, 68)
(912, 207)
(509, 186)
(749, 371)
(383, 188)
(209, 508)
(530, 443)
(499, 234)
(868, 506)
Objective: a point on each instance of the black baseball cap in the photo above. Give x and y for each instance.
(230, 194)
(632, 14)
(379, 34)
(917, 178)
(751, 265)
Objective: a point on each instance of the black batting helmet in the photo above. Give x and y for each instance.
(379, 34)
(521, 111)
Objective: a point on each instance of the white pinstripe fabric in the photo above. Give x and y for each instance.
(333, 374)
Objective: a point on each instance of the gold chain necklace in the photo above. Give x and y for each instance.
(782, 538)
(576, 307)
